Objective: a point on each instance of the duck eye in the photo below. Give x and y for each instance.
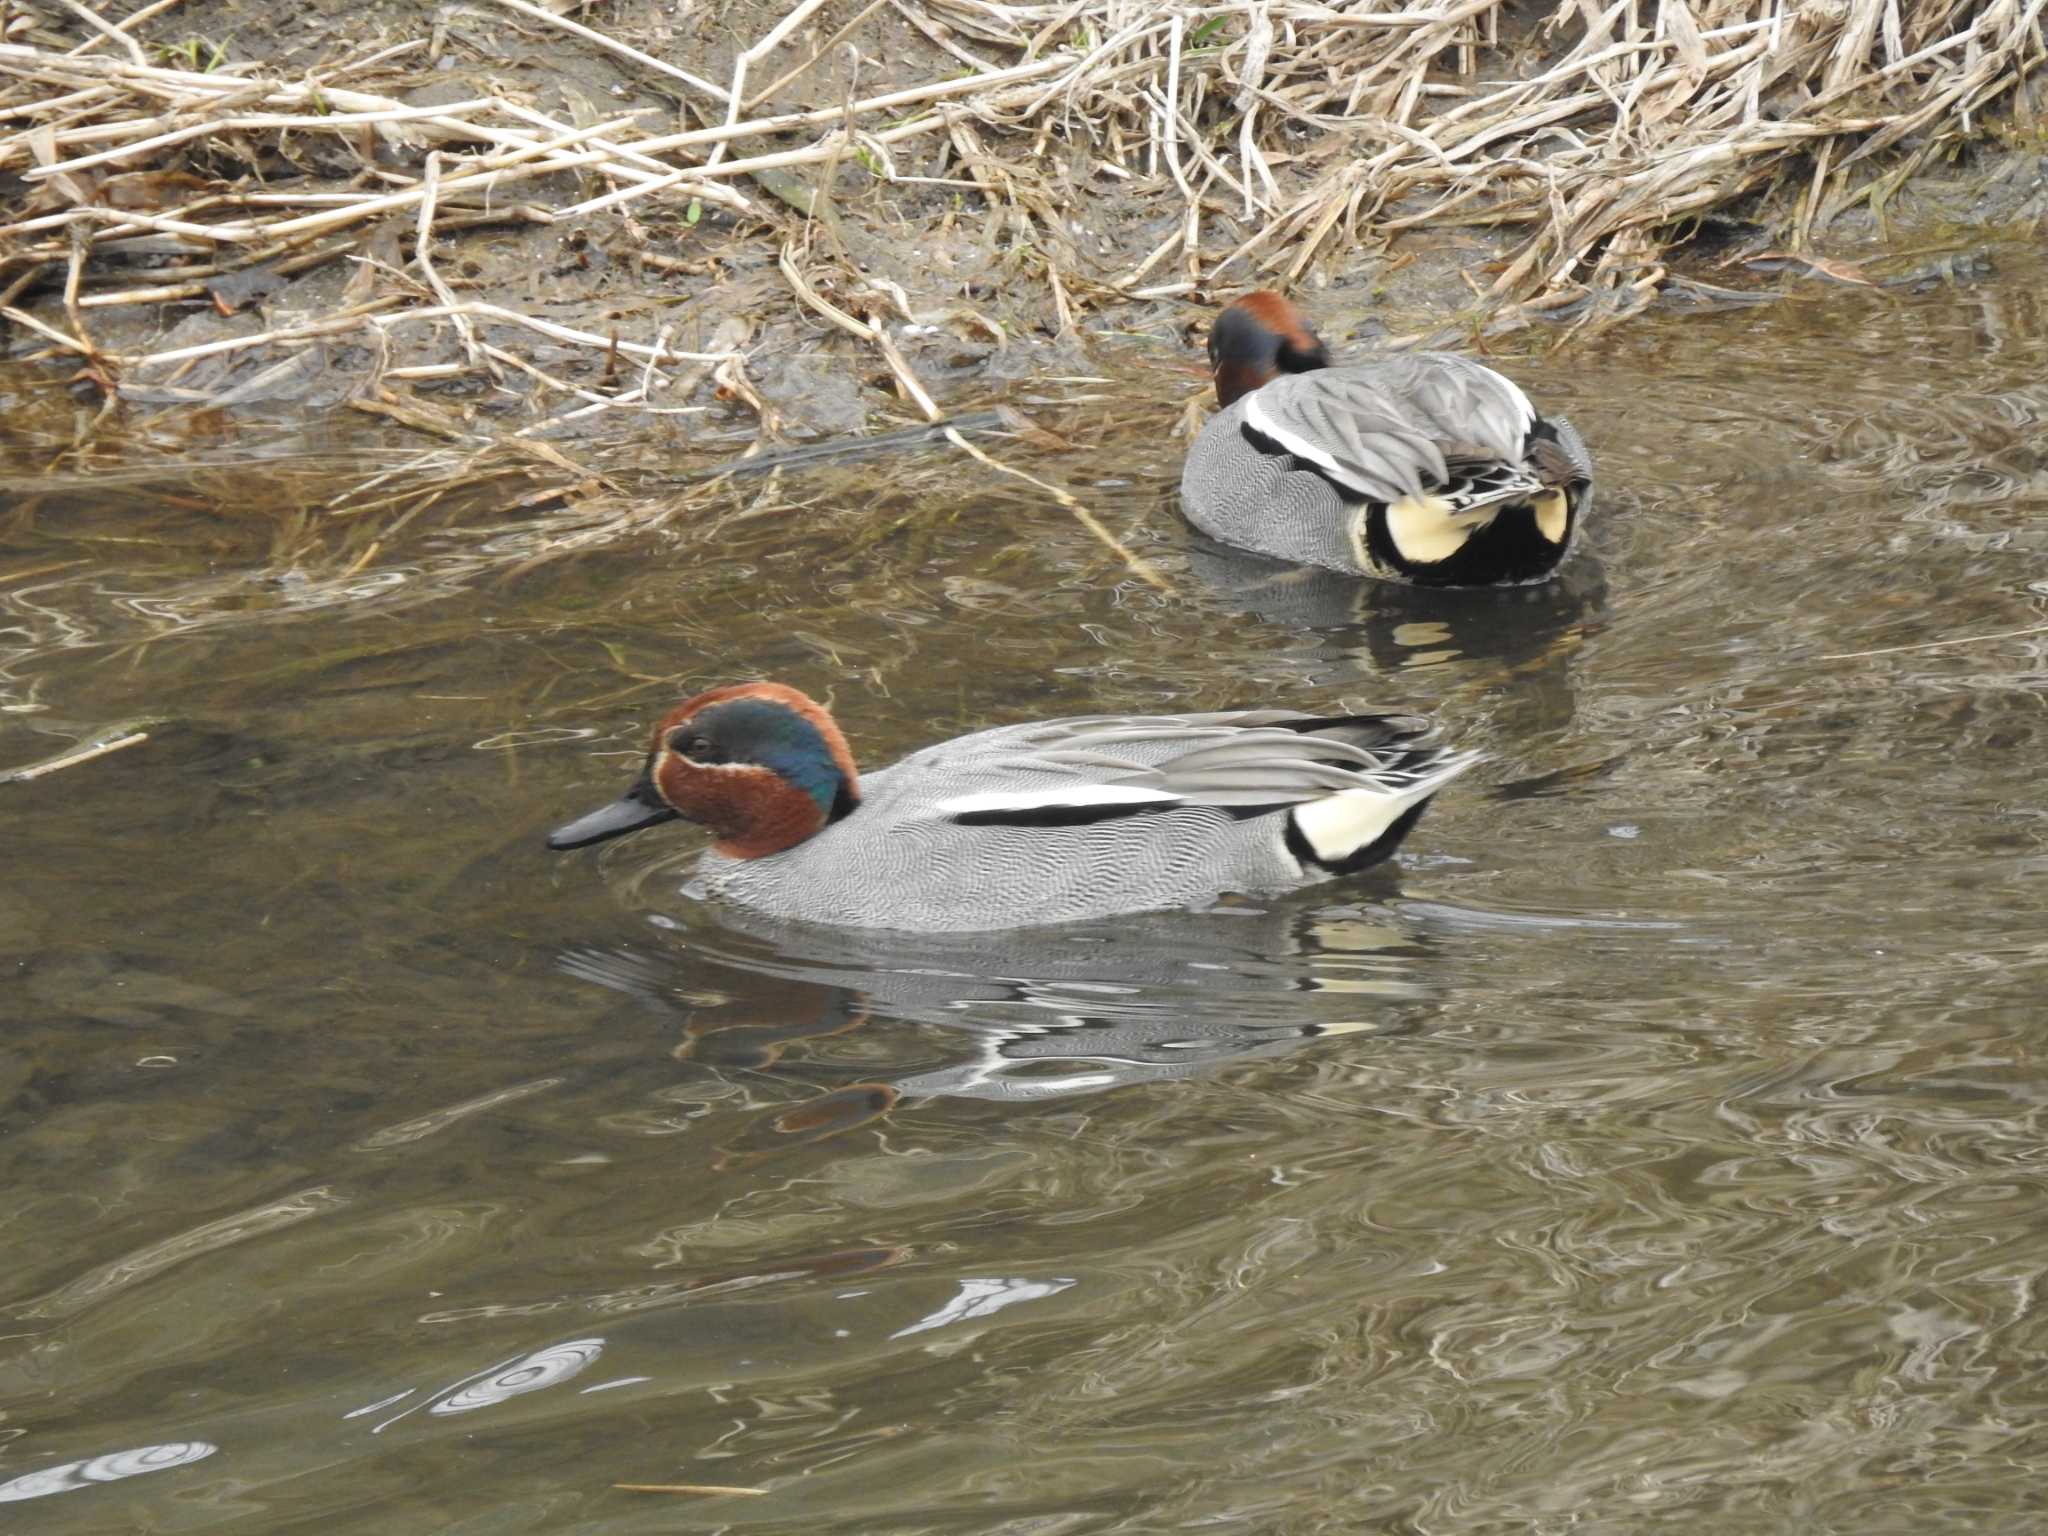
(693, 745)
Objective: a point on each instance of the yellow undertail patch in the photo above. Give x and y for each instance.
(1423, 531)
(1553, 515)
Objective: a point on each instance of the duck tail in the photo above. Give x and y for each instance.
(1357, 828)
(1557, 454)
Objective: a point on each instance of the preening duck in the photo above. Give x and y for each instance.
(1044, 822)
(1421, 467)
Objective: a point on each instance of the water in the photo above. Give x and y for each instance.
(1661, 1142)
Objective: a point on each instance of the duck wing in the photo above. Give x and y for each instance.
(1402, 425)
(1098, 768)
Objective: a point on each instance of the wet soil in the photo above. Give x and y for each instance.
(985, 314)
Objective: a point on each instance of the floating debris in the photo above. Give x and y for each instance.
(707, 1489)
(86, 753)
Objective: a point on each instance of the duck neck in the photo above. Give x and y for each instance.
(772, 817)
(754, 810)
(1235, 380)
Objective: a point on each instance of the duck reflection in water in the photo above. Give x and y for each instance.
(1366, 630)
(1044, 1013)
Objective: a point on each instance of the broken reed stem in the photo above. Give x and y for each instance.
(72, 759)
(1935, 645)
(614, 46)
(1133, 563)
(708, 1489)
(106, 30)
(72, 278)
(736, 96)
(366, 318)
(49, 333)
(126, 25)
(423, 258)
(1626, 125)
(906, 379)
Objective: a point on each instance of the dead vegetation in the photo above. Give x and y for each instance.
(1255, 140)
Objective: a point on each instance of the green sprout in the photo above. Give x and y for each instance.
(197, 53)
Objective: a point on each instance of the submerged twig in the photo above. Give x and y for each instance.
(72, 758)
(1136, 565)
(701, 1488)
(1935, 645)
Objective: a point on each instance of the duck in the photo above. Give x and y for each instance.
(1040, 822)
(1421, 467)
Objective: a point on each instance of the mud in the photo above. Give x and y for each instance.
(973, 279)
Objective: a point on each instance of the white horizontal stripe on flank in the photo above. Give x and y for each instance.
(1301, 447)
(1076, 797)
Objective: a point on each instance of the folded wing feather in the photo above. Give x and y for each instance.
(1386, 429)
(1252, 759)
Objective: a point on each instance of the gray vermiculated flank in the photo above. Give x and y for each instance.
(900, 862)
(1390, 424)
(1252, 500)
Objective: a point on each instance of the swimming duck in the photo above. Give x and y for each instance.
(1420, 467)
(1050, 821)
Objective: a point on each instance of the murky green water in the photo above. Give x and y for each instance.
(1661, 1143)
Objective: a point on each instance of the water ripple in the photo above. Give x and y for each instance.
(73, 1475)
(543, 1368)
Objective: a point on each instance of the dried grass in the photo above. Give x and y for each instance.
(1262, 136)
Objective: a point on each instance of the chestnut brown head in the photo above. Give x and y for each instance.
(1258, 338)
(760, 764)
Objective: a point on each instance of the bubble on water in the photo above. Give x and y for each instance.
(73, 1475)
(543, 1368)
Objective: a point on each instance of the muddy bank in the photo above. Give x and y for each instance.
(752, 220)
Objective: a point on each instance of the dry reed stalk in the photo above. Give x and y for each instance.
(614, 46)
(907, 380)
(1136, 564)
(423, 258)
(1265, 135)
(768, 42)
(128, 24)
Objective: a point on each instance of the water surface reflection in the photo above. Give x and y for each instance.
(1658, 1143)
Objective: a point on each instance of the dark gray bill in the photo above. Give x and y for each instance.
(640, 807)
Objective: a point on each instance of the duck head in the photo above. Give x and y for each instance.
(760, 764)
(1258, 338)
